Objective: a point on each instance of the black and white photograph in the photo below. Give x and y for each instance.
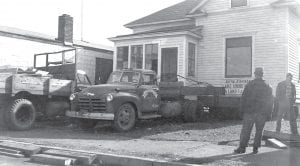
(149, 82)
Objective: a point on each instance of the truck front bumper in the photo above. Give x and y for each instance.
(89, 115)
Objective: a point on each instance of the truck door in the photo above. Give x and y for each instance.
(149, 95)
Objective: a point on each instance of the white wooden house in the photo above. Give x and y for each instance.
(217, 41)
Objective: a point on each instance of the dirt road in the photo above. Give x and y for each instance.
(170, 140)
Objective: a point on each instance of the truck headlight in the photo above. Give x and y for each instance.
(109, 97)
(72, 96)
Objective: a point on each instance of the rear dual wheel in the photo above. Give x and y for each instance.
(192, 111)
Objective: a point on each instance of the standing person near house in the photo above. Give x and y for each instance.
(286, 97)
(256, 105)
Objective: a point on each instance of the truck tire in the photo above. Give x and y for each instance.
(125, 118)
(87, 123)
(192, 111)
(20, 114)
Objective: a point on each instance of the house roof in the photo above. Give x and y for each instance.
(175, 12)
(39, 37)
(191, 29)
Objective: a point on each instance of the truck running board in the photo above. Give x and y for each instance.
(150, 116)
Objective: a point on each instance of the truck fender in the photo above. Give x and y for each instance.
(125, 97)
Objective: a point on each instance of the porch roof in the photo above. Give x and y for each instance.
(165, 31)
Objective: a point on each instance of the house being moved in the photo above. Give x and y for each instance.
(217, 41)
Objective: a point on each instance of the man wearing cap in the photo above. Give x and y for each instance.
(256, 106)
(286, 97)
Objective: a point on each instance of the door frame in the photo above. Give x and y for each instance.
(161, 58)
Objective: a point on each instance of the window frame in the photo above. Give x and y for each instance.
(251, 58)
(141, 56)
(145, 57)
(247, 3)
(194, 60)
(117, 53)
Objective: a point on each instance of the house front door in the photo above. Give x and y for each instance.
(169, 64)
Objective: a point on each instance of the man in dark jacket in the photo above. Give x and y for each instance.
(256, 106)
(286, 97)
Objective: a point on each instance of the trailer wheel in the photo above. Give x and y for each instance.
(125, 118)
(87, 123)
(20, 114)
(192, 111)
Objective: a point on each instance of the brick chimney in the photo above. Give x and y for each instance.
(65, 29)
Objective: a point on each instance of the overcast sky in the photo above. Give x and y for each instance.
(101, 18)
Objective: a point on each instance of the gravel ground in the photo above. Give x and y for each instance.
(101, 139)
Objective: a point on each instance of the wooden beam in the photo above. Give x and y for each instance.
(281, 136)
(275, 143)
(52, 160)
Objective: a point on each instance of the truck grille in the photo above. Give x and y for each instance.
(92, 104)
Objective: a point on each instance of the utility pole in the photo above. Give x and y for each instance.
(81, 33)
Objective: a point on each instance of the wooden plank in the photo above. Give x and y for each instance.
(82, 158)
(35, 84)
(16, 155)
(275, 143)
(10, 150)
(59, 87)
(52, 160)
(26, 149)
(280, 136)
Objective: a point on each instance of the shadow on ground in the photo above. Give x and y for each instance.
(287, 157)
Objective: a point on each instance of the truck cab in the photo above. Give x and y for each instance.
(128, 95)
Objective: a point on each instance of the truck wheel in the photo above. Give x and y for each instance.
(20, 114)
(125, 118)
(192, 111)
(87, 123)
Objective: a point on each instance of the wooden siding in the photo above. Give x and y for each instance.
(267, 26)
(293, 48)
(225, 5)
(86, 61)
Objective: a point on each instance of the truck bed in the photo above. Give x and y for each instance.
(34, 84)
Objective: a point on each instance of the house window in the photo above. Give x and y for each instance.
(151, 57)
(122, 57)
(238, 57)
(191, 59)
(238, 3)
(136, 57)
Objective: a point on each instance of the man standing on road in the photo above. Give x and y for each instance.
(256, 106)
(286, 96)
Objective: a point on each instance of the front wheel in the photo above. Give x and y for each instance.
(125, 118)
(20, 114)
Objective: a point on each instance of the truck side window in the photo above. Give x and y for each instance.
(148, 79)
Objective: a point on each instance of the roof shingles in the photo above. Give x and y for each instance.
(175, 12)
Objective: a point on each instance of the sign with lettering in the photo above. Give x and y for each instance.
(235, 86)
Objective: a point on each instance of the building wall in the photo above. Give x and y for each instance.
(225, 5)
(266, 25)
(293, 48)
(86, 61)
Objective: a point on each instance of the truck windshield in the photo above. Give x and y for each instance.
(124, 77)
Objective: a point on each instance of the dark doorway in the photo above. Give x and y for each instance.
(103, 69)
(169, 64)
